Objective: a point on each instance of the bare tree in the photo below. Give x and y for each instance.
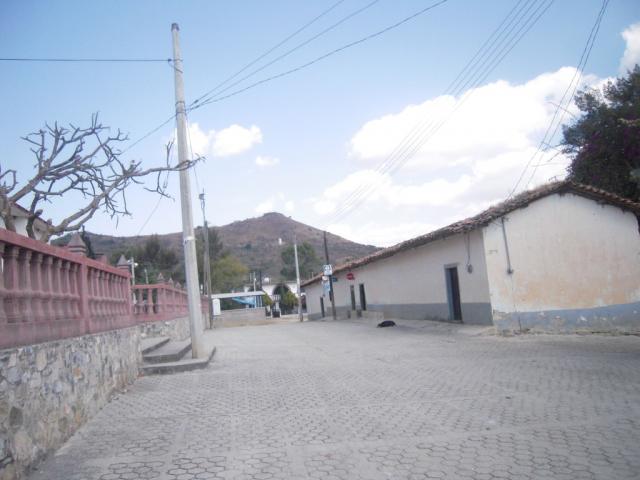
(82, 161)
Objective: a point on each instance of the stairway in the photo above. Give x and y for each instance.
(160, 355)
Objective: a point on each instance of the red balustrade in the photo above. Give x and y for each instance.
(49, 293)
(161, 301)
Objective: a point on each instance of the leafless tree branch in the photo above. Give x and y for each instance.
(86, 161)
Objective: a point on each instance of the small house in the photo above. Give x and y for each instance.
(563, 257)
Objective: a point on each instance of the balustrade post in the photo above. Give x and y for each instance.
(11, 283)
(74, 300)
(36, 285)
(56, 270)
(83, 289)
(47, 298)
(161, 300)
(3, 314)
(25, 287)
(64, 287)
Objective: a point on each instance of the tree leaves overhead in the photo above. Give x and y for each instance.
(604, 142)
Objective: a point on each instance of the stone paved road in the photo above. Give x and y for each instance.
(349, 401)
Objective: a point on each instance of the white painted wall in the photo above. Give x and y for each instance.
(567, 252)
(415, 276)
(21, 227)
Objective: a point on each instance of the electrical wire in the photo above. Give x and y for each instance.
(563, 105)
(322, 57)
(500, 43)
(164, 186)
(260, 57)
(89, 60)
(294, 49)
(270, 50)
(416, 137)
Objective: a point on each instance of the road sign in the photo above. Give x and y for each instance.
(351, 276)
(328, 270)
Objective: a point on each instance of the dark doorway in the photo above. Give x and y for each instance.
(322, 306)
(453, 293)
(363, 297)
(353, 297)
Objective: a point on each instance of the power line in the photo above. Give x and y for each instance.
(511, 30)
(271, 49)
(290, 51)
(421, 133)
(324, 56)
(562, 105)
(164, 186)
(280, 43)
(89, 60)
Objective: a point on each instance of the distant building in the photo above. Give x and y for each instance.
(563, 257)
(20, 216)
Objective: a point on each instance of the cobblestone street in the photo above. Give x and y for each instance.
(346, 400)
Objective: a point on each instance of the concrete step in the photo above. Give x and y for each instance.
(184, 365)
(148, 345)
(170, 352)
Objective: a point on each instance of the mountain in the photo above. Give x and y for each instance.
(254, 241)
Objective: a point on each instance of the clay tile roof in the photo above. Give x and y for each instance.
(487, 216)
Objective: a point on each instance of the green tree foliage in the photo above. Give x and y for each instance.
(307, 259)
(216, 249)
(288, 301)
(228, 273)
(604, 142)
(156, 259)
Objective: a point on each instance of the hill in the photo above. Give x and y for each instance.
(254, 241)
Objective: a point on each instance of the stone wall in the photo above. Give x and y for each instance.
(48, 390)
(241, 317)
(174, 329)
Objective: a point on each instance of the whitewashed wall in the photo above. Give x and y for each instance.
(576, 265)
(412, 284)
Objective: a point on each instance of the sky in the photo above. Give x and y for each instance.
(324, 144)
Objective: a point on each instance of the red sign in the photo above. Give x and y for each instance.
(351, 276)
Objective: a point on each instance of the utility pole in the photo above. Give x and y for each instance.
(331, 296)
(188, 238)
(295, 254)
(207, 262)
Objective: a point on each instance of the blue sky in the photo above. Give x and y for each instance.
(302, 143)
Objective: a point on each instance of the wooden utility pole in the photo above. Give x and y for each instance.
(295, 254)
(188, 237)
(206, 261)
(331, 296)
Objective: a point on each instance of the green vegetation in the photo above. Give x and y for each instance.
(153, 257)
(604, 142)
(309, 262)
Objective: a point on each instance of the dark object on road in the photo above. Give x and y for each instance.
(387, 323)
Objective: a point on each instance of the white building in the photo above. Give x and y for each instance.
(563, 257)
(20, 218)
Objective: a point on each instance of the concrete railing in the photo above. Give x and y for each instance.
(49, 293)
(161, 301)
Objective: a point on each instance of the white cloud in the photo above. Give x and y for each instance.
(266, 161)
(229, 141)
(276, 202)
(236, 139)
(380, 234)
(473, 161)
(264, 207)
(484, 122)
(631, 54)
